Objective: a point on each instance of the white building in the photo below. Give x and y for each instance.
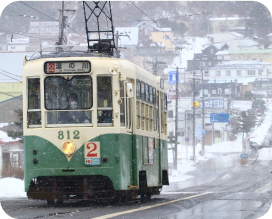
(235, 70)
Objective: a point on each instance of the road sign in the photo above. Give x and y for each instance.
(186, 138)
(203, 131)
(219, 117)
(212, 104)
(244, 156)
(196, 104)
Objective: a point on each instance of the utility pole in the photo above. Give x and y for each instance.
(176, 124)
(62, 25)
(194, 117)
(203, 115)
(155, 65)
(117, 41)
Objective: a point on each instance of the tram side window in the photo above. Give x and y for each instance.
(147, 93)
(104, 101)
(142, 91)
(122, 105)
(162, 112)
(138, 90)
(34, 104)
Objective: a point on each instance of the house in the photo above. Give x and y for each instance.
(165, 36)
(240, 70)
(18, 45)
(3, 42)
(246, 31)
(207, 57)
(264, 55)
(234, 40)
(217, 89)
(145, 30)
(224, 24)
(11, 152)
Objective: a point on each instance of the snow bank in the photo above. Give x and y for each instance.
(11, 187)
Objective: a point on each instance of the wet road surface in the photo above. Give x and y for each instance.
(221, 188)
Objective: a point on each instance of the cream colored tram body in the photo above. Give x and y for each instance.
(111, 144)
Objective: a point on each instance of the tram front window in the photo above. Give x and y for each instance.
(68, 100)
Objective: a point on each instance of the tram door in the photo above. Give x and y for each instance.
(129, 105)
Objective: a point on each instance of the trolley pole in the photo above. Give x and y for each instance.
(176, 124)
(194, 117)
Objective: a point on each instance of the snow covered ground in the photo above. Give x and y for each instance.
(12, 187)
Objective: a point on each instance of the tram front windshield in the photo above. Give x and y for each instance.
(68, 99)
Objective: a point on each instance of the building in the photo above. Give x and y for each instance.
(207, 57)
(18, 45)
(43, 34)
(240, 70)
(165, 36)
(225, 24)
(264, 55)
(145, 30)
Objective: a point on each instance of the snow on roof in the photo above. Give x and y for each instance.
(19, 41)
(168, 29)
(236, 34)
(216, 45)
(269, 34)
(250, 51)
(247, 43)
(225, 18)
(131, 39)
(12, 64)
(224, 52)
(244, 81)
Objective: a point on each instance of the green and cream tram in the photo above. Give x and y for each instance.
(94, 128)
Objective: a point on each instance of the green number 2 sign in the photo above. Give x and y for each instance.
(61, 134)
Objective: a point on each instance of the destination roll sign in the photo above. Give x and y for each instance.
(67, 67)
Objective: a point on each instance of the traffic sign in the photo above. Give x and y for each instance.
(196, 104)
(203, 131)
(186, 138)
(219, 117)
(244, 156)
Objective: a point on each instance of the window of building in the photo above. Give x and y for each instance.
(212, 50)
(218, 73)
(13, 47)
(250, 72)
(213, 91)
(166, 37)
(260, 72)
(228, 73)
(219, 90)
(207, 73)
(227, 91)
(239, 72)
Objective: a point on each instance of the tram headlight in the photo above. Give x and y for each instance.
(68, 148)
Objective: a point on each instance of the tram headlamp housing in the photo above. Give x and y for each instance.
(68, 148)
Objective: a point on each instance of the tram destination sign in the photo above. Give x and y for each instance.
(67, 67)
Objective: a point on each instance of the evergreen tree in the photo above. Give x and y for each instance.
(260, 20)
(19, 124)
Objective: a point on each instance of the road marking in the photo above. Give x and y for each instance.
(230, 172)
(263, 187)
(147, 207)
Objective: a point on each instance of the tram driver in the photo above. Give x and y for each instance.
(67, 117)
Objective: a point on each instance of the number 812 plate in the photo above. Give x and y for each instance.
(92, 153)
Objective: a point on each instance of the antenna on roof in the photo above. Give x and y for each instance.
(100, 36)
